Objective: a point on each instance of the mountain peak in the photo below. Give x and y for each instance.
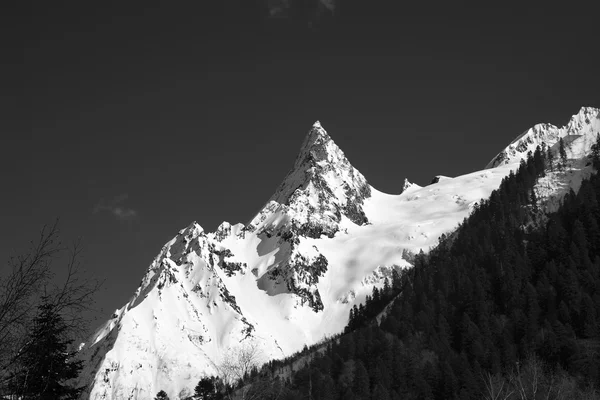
(584, 111)
(317, 144)
(584, 117)
(323, 178)
(408, 185)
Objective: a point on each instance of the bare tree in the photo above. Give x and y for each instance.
(497, 387)
(75, 294)
(29, 277)
(532, 379)
(238, 365)
(238, 362)
(528, 378)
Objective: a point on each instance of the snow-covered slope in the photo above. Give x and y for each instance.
(290, 276)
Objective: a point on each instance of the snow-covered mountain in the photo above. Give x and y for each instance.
(290, 276)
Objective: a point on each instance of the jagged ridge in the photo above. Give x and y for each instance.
(581, 124)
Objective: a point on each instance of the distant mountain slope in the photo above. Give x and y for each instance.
(287, 278)
(578, 137)
(579, 134)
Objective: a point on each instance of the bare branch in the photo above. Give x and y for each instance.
(238, 362)
(20, 289)
(76, 294)
(496, 387)
(29, 278)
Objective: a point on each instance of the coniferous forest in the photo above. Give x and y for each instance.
(506, 307)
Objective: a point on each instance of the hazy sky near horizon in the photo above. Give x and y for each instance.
(129, 123)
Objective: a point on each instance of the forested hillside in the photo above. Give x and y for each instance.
(506, 307)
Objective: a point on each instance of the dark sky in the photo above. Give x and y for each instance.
(130, 122)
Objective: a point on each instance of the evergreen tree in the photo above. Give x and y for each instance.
(562, 152)
(45, 365)
(596, 152)
(550, 158)
(207, 389)
(380, 393)
(387, 291)
(162, 395)
(361, 380)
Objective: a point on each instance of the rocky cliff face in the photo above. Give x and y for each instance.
(321, 189)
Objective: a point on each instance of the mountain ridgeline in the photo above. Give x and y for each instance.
(508, 306)
(458, 275)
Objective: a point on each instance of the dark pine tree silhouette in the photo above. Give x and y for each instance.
(562, 152)
(45, 365)
(596, 152)
(207, 389)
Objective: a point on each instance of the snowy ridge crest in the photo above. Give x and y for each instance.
(583, 123)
